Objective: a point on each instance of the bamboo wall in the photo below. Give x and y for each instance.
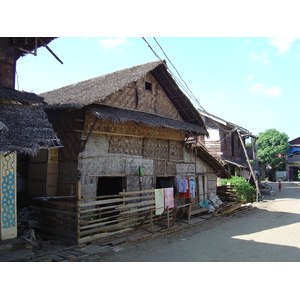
(134, 96)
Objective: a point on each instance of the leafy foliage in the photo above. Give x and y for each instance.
(299, 175)
(271, 146)
(244, 190)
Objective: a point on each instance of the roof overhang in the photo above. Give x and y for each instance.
(237, 164)
(118, 115)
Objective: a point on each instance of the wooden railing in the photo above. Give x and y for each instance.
(105, 216)
(87, 220)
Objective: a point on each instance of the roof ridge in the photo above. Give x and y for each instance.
(156, 62)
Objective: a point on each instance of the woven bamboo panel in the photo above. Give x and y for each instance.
(134, 96)
(125, 145)
(160, 167)
(156, 148)
(176, 150)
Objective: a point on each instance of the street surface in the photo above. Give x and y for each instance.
(270, 233)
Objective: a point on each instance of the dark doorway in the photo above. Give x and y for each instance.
(109, 186)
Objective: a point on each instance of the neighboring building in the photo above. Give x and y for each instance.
(24, 129)
(224, 144)
(293, 160)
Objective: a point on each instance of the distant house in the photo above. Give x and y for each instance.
(293, 160)
(24, 129)
(225, 145)
(129, 130)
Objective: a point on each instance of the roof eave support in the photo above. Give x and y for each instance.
(88, 136)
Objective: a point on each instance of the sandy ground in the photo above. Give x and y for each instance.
(269, 233)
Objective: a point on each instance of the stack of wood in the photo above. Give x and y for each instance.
(226, 193)
(230, 199)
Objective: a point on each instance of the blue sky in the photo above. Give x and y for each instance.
(250, 81)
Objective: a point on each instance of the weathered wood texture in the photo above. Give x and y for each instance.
(59, 218)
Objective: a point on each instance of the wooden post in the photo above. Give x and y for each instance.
(250, 167)
(168, 217)
(151, 221)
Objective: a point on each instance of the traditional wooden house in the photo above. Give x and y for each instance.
(224, 143)
(24, 129)
(129, 131)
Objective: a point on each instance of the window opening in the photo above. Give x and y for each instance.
(164, 182)
(148, 86)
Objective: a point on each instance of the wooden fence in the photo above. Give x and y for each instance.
(87, 220)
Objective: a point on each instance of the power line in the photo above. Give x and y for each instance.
(183, 86)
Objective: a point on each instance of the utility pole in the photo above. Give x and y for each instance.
(250, 166)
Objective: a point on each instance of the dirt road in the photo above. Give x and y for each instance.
(270, 233)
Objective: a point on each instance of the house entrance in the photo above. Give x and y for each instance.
(109, 186)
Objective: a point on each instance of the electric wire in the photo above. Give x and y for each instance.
(184, 86)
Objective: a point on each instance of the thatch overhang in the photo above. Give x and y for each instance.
(95, 90)
(27, 129)
(118, 115)
(203, 153)
(24, 45)
(21, 97)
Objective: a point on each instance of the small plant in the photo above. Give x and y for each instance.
(244, 190)
(299, 174)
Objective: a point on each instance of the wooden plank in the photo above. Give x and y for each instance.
(113, 200)
(232, 208)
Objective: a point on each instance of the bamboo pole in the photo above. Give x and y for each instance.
(250, 166)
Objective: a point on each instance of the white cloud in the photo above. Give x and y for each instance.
(272, 92)
(263, 56)
(283, 44)
(113, 43)
(256, 88)
(254, 56)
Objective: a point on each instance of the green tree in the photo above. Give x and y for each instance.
(272, 146)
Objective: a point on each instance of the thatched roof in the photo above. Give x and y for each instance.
(123, 115)
(95, 90)
(23, 45)
(26, 129)
(22, 97)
